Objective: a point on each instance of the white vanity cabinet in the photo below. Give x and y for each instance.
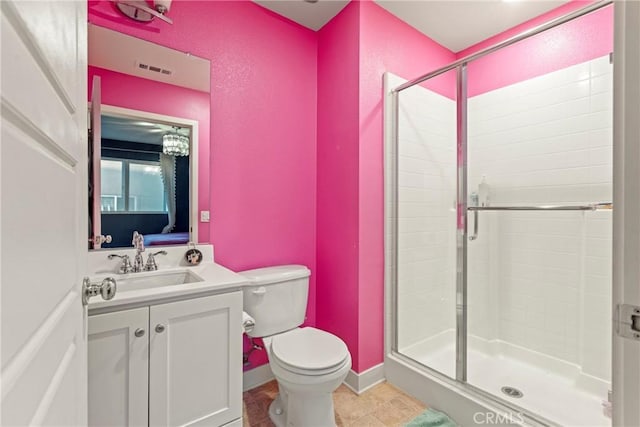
(185, 370)
(119, 368)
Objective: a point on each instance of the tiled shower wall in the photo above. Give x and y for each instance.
(426, 212)
(542, 280)
(536, 280)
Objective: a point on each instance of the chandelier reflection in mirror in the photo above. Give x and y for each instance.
(175, 144)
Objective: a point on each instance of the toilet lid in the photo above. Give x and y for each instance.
(309, 349)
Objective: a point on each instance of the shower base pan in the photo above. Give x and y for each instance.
(546, 392)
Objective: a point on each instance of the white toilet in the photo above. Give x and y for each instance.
(309, 364)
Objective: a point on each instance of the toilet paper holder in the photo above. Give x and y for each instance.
(248, 323)
(247, 354)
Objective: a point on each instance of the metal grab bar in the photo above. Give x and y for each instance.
(476, 209)
(474, 236)
(591, 207)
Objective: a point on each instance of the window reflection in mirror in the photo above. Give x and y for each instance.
(131, 186)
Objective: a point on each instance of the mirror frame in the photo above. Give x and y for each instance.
(115, 111)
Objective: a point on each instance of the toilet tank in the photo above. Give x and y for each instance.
(276, 298)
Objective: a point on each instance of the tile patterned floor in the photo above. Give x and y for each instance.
(381, 405)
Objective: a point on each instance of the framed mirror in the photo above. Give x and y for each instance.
(150, 143)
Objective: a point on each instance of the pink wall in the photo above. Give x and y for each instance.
(337, 215)
(386, 44)
(354, 51)
(127, 91)
(263, 127)
(580, 40)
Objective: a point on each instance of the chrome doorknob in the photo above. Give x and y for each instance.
(160, 328)
(139, 332)
(107, 289)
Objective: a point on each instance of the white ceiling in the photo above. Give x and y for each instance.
(455, 24)
(459, 24)
(126, 129)
(311, 15)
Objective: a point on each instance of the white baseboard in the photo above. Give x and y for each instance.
(363, 381)
(359, 383)
(256, 377)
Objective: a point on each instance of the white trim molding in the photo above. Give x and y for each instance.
(256, 377)
(626, 214)
(359, 383)
(363, 381)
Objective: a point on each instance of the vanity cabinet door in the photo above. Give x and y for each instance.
(195, 361)
(119, 368)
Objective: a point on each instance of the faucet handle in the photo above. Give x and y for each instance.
(151, 261)
(125, 267)
(138, 241)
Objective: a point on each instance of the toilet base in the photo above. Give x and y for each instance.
(277, 413)
(305, 410)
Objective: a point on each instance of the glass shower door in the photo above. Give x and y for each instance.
(502, 224)
(426, 223)
(539, 269)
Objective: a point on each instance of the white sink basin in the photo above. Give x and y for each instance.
(139, 281)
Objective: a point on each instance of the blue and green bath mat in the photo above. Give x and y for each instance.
(431, 418)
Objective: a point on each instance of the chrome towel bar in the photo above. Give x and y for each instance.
(589, 207)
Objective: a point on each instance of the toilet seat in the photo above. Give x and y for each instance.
(309, 351)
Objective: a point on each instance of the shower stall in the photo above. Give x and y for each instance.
(499, 226)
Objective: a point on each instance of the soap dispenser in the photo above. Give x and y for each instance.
(483, 192)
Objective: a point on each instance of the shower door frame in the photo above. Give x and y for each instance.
(460, 67)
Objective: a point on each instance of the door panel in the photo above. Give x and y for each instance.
(51, 26)
(195, 363)
(425, 241)
(26, 398)
(626, 220)
(43, 224)
(119, 368)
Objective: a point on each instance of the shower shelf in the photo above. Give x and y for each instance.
(589, 207)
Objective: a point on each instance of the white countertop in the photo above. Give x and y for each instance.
(215, 279)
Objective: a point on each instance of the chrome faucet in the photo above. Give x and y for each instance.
(151, 261)
(138, 244)
(138, 260)
(125, 267)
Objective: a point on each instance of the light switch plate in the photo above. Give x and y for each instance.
(204, 216)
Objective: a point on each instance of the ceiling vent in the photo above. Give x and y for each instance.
(154, 69)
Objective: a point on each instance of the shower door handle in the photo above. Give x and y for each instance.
(474, 236)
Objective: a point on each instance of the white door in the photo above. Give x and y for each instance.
(43, 188)
(626, 219)
(195, 371)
